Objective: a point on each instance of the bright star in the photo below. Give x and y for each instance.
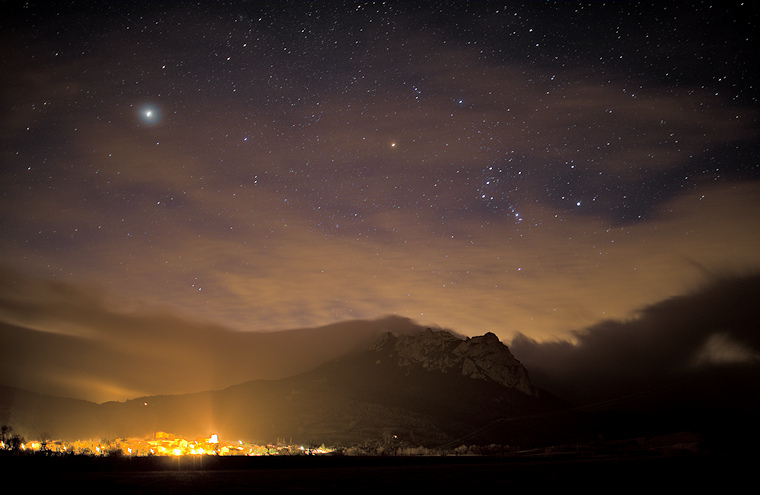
(149, 114)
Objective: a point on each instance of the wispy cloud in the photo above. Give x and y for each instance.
(69, 340)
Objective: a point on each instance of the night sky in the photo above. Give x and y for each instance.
(505, 167)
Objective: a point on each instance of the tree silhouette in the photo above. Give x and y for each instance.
(45, 437)
(6, 434)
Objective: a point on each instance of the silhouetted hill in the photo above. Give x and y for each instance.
(34, 415)
(429, 388)
(423, 388)
(687, 363)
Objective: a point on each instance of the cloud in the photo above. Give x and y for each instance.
(664, 345)
(74, 341)
(270, 198)
(722, 349)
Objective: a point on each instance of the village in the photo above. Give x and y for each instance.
(166, 444)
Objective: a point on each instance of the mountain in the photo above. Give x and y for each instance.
(478, 357)
(426, 388)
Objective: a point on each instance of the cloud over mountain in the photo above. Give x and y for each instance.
(676, 343)
(74, 341)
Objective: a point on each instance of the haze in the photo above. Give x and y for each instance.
(174, 175)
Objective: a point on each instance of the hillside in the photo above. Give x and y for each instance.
(429, 388)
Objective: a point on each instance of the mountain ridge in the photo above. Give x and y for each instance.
(356, 398)
(480, 357)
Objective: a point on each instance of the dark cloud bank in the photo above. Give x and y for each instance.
(694, 353)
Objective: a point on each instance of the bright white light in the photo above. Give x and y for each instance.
(149, 114)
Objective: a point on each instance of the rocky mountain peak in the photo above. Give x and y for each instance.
(484, 357)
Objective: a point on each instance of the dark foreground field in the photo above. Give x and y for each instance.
(376, 474)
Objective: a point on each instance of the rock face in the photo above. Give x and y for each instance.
(484, 357)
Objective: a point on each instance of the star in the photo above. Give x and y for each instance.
(149, 114)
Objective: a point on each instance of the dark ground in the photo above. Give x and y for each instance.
(379, 474)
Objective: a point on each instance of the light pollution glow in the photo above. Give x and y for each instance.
(478, 181)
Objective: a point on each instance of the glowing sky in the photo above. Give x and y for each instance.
(498, 167)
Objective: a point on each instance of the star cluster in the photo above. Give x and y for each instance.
(511, 168)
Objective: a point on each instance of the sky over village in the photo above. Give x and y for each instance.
(512, 167)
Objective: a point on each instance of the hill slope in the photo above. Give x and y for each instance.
(427, 388)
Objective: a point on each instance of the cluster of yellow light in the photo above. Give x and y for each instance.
(165, 444)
